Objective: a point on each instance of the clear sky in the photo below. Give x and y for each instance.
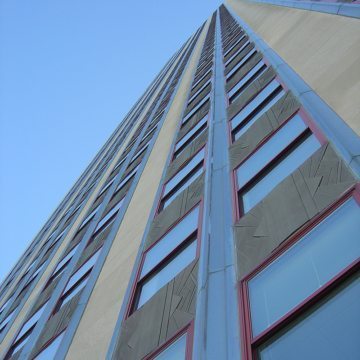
(69, 72)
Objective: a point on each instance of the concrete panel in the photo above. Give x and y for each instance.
(322, 48)
(159, 319)
(251, 91)
(263, 127)
(96, 327)
(314, 186)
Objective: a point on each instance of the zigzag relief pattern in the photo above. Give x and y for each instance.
(239, 57)
(182, 203)
(57, 323)
(263, 127)
(315, 185)
(240, 73)
(250, 92)
(170, 309)
(188, 152)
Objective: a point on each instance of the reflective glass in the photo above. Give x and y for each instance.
(260, 111)
(330, 331)
(49, 352)
(180, 175)
(240, 63)
(31, 322)
(139, 153)
(199, 91)
(82, 270)
(270, 149)
(127, 178)
(110, 214)
(74, 291)
(183, 186)
(170, 241)
(314, 260)
(66, 258)
(254, 103)
(89, 217)
(185, 139)
(167, 273)
(232, 46)
(5, 321)
(175, 351)
(283, 169)
(195, 109)
(238, 52)
(259, 66)
(107, 185)
(199, 80)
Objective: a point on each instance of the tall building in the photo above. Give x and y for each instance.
(221, 219)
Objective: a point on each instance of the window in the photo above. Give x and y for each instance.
(109, 183)
(262, 102)
(175, 351)
(120, 162)
(139, 153)
(199, 80)
(330, 331)
(167, 257)
(5, 304)
(250, 77)
(320, 316)
(50, 350)
(237, 53)
(183, 178)
(25, 332)
(198, 92)
(109, 215)
(242, 62)
(194, 110)
(188, 138)
(127, 178)
(272, 162)
(233, 46)
(61, 266)
(78, 280)
(89, 218)
(6, 320)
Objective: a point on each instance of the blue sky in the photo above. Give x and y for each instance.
(69, 72)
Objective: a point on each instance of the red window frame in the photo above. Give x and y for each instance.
(230, 130)
(189, 331)
(238, 207)
(48, 343)
(160, 206)
(86, 275)
(249, 343)
(191, 139)
(138, 282)
(267, 64)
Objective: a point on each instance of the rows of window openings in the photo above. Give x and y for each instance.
(78, 280)
(177, 248)
(282, 152)
(320, 316)
(98, 172)
(195, 166)
(71, 290)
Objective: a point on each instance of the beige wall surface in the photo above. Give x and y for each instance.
(39, 286)
(323, 49)
(93, 335)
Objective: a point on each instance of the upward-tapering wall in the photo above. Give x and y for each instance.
(322, 48)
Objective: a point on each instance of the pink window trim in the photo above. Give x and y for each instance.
(249, 343)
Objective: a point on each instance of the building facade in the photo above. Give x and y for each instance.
(221, 219)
